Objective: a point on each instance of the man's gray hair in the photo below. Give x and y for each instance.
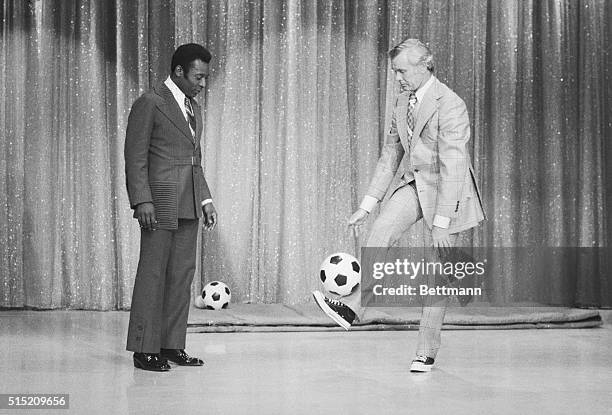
(425, 55)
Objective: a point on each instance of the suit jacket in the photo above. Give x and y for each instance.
(163, 160)
(436, 158)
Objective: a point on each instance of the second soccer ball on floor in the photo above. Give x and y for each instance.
(216, 295)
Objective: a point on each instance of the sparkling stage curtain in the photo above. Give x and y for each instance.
(298, 101)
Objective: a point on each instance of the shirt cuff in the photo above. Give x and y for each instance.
(368, 203)
(206, 201)
(441, 221)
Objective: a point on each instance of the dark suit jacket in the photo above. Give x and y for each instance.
(163, 160)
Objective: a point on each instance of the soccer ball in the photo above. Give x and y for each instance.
(216, 295)
(340, 274)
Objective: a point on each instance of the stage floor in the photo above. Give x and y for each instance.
(563, 371)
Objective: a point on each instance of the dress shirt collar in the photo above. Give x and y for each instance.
(420, 93)
(179, 96)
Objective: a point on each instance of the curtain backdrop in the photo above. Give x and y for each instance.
(298, 101)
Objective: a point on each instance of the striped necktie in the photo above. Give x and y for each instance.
(190, 114)
(410, 117)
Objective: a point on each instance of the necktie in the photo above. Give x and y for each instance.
(412, 101)
(190, 114)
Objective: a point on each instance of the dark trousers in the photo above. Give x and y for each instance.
(160, 301)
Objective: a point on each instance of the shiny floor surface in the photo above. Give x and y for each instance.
(477, 372)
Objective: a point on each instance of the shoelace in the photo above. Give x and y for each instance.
(334, 302)
(421, 358)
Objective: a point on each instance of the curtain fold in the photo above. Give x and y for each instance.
(67, 212)
(298, 102)
(232, 142)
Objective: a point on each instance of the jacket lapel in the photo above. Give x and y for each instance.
(171, 109)
(428, 107)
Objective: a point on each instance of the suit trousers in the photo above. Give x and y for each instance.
(398, 214)
(162, 289)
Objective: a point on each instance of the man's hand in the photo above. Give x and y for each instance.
(210, 216)
(145, 213)
(357, 219)
(441, 240)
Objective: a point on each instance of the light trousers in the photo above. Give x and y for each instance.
(398, 214)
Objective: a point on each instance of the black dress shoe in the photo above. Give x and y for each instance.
(180, 357)
(151, 361)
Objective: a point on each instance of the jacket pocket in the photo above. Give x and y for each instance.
(165, 197)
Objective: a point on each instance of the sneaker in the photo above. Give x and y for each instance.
(422, 364)
(336, 310)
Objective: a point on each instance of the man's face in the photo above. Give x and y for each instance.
(193, 81)
(410, 74)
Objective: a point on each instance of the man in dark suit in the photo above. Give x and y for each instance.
(169, 194)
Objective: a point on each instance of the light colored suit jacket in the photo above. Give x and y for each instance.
(437, 158)
(163, 160)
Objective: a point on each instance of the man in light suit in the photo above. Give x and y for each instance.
(169, 194)
(428, 140)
